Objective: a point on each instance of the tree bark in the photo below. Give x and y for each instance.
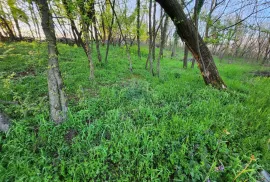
(18, 27)
(57, 98)
(150, 55)
(85, 30)
(154, 32)
(96, 32)
(163, 29)
(110, 35)
(187, 32)
(185, 57)
(138, 27)
(175, 40)
(10, 31)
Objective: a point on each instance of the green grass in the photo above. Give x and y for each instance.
(131, 126)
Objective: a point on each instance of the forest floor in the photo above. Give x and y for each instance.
(132, 126)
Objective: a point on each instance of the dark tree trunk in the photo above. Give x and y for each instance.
(185, 57)
(154, 32)
(138, 27)
(110, 35)
(150, 55)
(18, 28)
(192, 63)
(163, 40)
(187, 32)
(267, 50)
(175, 40)
(57, 98)
(77, 35)
(10, 31)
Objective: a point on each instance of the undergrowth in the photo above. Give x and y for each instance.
(131, 126)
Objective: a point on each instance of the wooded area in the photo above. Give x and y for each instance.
(84, 63)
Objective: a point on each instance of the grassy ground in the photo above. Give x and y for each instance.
(131, 126)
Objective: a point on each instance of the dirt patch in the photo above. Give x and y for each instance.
(29, 71)
(70, 135)
(261, 73)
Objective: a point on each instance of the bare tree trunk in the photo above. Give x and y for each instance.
(77, 35)
(192, 63)
(18, 28)
(10, 31)
(88, 50)
(154, 32)
(259, 44)
(138, 27)
(185, 57)
(150, 58)
(175, 40)
(103, 24)
(188, 34)
(85, 29)
(96, 32)
(163, 39)
(110, 35)
(35, 20)
(267, 50)
(57, 98)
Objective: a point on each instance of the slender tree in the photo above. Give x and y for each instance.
(110, 35)
(185, 57)
(164, 28)
(57, 98)
(138, 27)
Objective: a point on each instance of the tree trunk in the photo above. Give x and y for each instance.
(185, 57)
(138, 27)
(18, 28)
(35, 20)
(163, 40)
(267, 50)
(77, 35)
(85, 30)
(10, 31)
(88, 50)
(154, 32)
(96, 32)
(193, 63)
(110, 35)
(175, 40)
(57, 98)
(187, 32)
(150, 55)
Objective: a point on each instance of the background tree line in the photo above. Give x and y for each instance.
(230, 28)
(226, 28)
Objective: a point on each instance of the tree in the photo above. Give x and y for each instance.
(57, 98)
(163, 33)
(175, 42)
(185, 57)
(150, 48)
(138, 27)
(187, 31)
(86, 18)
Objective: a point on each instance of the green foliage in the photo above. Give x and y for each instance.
(16, 12)
(131, 126)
